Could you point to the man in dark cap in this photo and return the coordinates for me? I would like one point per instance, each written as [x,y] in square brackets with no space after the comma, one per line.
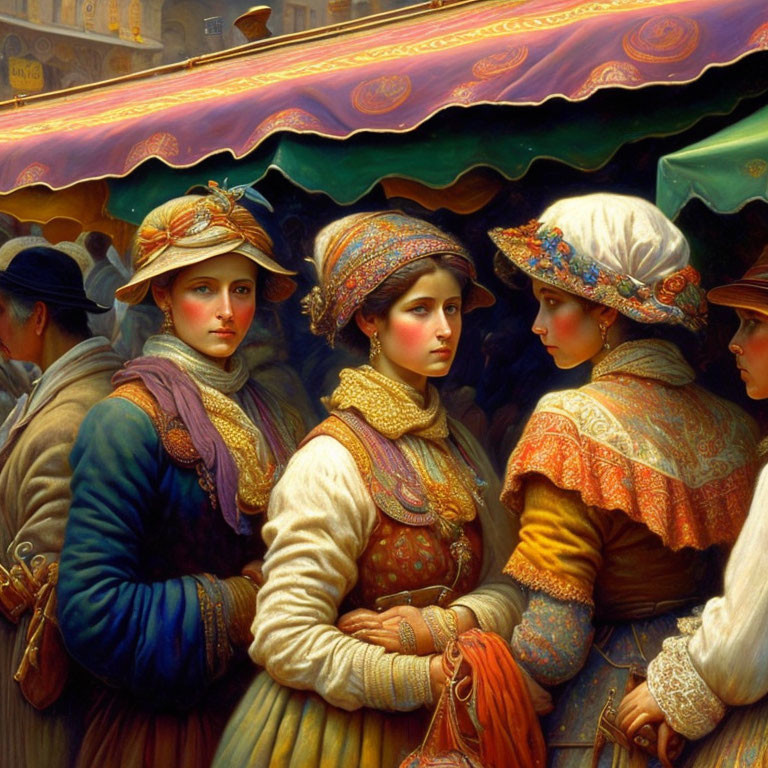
[43,320]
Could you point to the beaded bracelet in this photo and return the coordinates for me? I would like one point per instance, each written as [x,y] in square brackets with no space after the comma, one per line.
[442,625]
[407,637]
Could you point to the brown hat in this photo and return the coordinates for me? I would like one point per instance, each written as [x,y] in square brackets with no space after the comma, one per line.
[750,292]
[190,229]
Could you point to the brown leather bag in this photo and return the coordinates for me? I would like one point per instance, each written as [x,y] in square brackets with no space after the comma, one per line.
[44,667]
[17,591]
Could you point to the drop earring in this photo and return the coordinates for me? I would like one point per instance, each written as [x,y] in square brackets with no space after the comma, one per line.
[167,326]
[604,336]
[375,349]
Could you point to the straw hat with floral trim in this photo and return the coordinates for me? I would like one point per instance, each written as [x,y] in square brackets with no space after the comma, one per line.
[193,228]
[617,250]
[749,292]
[357,253]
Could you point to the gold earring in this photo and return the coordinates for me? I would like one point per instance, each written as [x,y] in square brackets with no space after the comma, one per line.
[375,349]
[604,335]
[167,326]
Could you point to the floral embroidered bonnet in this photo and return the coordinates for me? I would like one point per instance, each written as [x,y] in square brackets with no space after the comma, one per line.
[612,249]
[357,253]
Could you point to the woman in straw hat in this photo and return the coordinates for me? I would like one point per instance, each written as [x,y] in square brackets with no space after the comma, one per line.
[170,477]
[625,484]
[387,515]
[721,660]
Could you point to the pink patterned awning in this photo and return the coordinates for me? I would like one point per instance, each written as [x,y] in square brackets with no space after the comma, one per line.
[389,74]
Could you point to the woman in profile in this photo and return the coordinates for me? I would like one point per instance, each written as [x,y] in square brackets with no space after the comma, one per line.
[171,475]
[388,515]
[711,683]
[625,485]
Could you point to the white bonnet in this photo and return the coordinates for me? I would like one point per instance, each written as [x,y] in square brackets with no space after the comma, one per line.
[624,233]
[616,250]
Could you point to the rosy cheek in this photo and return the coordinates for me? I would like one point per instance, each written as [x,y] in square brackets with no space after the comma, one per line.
[567,321]
[243,313]
[409,335]
[757,346]
[193,310]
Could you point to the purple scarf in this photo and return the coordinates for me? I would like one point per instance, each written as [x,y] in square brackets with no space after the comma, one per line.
[178,396]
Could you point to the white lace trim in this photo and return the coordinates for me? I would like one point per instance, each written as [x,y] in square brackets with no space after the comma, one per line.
[688,703]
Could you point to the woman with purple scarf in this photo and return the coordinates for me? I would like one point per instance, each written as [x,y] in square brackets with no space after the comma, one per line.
[171,473]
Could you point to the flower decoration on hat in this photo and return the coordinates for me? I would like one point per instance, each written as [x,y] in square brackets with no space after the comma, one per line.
[543,253]
[195,227]
[209,220]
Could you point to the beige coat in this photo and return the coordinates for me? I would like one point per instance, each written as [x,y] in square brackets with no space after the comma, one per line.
[34,503]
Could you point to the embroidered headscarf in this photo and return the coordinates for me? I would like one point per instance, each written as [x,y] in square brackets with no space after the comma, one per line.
[357,253]
[616,250]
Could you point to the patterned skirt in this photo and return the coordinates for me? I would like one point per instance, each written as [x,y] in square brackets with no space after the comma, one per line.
[279,727]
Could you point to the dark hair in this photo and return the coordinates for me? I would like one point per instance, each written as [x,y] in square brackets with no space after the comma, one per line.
[71,321]
[379,301]
[164,280]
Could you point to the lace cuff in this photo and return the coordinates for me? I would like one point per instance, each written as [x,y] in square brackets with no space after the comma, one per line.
[688,703]
[689,625]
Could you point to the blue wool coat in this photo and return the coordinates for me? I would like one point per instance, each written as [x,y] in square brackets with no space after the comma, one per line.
[142,535]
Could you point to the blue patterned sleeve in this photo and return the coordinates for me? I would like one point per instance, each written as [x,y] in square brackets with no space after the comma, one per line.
[553,639]
[148,637]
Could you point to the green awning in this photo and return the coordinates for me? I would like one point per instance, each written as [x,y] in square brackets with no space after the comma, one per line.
[508,139]
[726,170]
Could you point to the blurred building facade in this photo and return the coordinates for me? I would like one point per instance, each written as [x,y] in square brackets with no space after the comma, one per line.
[48,45]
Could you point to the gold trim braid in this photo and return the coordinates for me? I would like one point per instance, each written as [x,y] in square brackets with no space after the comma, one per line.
[174,436]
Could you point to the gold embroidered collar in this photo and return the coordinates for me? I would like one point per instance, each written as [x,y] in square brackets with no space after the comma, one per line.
[649,359]
[390,407]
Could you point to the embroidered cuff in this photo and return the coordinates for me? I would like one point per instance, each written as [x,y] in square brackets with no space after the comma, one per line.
[522,570]
[689,625]
[396,682]
[240,609]
[215,606]
[688,703]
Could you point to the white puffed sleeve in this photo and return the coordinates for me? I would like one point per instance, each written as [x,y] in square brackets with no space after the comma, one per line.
[729,650]
[725,661]
[319,521]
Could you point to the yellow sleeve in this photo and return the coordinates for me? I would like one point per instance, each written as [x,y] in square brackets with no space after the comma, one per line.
[561,542]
